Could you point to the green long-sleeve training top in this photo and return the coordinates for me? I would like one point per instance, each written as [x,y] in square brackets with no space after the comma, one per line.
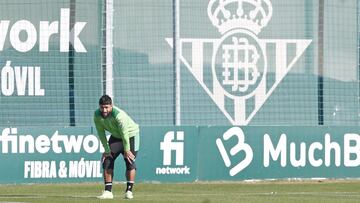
[119,124]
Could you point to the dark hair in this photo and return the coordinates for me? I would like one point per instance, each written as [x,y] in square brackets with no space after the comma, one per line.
[105,100]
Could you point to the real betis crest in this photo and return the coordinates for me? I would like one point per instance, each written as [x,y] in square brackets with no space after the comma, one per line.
[239,58]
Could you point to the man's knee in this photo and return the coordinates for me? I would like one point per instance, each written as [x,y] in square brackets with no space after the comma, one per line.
[130,166]
[108,163]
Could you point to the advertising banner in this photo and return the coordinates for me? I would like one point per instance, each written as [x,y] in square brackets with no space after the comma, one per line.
[49,155]
[168,154]
[184,154]
[234,153]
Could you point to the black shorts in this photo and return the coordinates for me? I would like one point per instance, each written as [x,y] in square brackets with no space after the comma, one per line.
[117,148]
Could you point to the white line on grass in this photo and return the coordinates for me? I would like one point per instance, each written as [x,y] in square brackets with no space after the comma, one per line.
[332,194]
[13,202]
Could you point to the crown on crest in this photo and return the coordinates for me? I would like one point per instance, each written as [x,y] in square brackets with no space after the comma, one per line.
[252,15]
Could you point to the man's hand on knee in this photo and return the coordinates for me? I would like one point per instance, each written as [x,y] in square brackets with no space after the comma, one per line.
[129,156]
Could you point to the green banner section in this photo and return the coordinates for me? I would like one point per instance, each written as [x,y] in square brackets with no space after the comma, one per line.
[184,154]
[30,155]
[278,152]
[168,154]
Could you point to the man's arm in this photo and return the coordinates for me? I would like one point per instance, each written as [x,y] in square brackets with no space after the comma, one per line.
[101,133]
[126,142]
[126,124]
[125,132]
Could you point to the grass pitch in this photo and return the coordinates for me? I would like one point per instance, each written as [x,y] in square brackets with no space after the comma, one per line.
[204,192]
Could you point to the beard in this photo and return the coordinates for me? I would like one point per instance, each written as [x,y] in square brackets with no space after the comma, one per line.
[104,115]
